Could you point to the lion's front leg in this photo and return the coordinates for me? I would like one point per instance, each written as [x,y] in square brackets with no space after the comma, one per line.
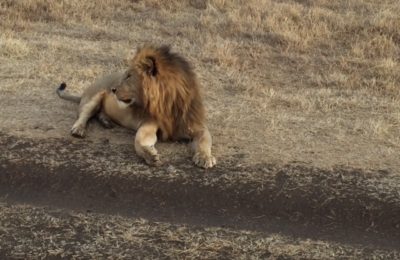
[201,145]
[146,138]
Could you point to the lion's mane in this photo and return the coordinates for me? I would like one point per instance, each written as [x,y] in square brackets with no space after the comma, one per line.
[170,91]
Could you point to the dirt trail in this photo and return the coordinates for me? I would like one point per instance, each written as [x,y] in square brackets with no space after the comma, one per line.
[346,206]
[44,232]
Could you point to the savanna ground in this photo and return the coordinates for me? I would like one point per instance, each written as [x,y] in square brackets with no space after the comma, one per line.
[303,102]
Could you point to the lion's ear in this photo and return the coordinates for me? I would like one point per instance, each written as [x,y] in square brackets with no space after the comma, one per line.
[149,66]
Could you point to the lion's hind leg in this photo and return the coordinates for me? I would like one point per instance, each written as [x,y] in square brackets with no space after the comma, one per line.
[146,138]
[201,145]
[87,109]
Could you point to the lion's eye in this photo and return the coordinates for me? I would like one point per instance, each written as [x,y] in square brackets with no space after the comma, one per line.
[128,76]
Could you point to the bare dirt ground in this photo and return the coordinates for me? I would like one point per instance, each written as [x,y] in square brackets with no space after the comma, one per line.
[303,103]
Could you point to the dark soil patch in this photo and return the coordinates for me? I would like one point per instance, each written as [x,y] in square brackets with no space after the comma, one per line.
[347,205]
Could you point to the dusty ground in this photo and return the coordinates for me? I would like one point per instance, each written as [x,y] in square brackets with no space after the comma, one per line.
[90,235]
[230,212]
[304,107]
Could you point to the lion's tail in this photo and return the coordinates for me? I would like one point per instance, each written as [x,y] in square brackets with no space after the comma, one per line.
[61,93]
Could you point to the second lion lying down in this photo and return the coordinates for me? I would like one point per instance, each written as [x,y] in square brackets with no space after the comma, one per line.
[159,92]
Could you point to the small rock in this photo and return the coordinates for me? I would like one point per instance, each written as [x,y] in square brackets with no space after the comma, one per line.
[171,169]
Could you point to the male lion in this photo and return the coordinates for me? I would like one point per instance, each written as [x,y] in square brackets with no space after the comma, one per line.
[159,92]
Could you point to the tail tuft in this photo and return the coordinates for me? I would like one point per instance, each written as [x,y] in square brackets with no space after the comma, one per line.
[62,86]
[61,93]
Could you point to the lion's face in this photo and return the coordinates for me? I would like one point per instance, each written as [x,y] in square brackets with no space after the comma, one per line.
[127,91]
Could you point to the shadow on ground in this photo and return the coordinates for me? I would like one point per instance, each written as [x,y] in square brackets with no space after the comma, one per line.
[344,205]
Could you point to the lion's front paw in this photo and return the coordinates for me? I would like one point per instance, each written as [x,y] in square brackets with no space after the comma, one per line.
[151,156]
[78,131]
[204,161]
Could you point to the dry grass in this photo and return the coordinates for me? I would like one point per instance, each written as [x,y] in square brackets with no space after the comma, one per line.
[288,80]
[30,233]
[310,81]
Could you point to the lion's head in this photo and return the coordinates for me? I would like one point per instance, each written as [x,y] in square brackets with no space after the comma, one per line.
[165,85]
[128,91]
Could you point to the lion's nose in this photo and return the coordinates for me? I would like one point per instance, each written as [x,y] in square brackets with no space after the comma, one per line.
[113,90]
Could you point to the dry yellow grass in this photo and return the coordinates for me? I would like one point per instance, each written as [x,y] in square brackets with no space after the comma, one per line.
[289,80]
[99,236]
